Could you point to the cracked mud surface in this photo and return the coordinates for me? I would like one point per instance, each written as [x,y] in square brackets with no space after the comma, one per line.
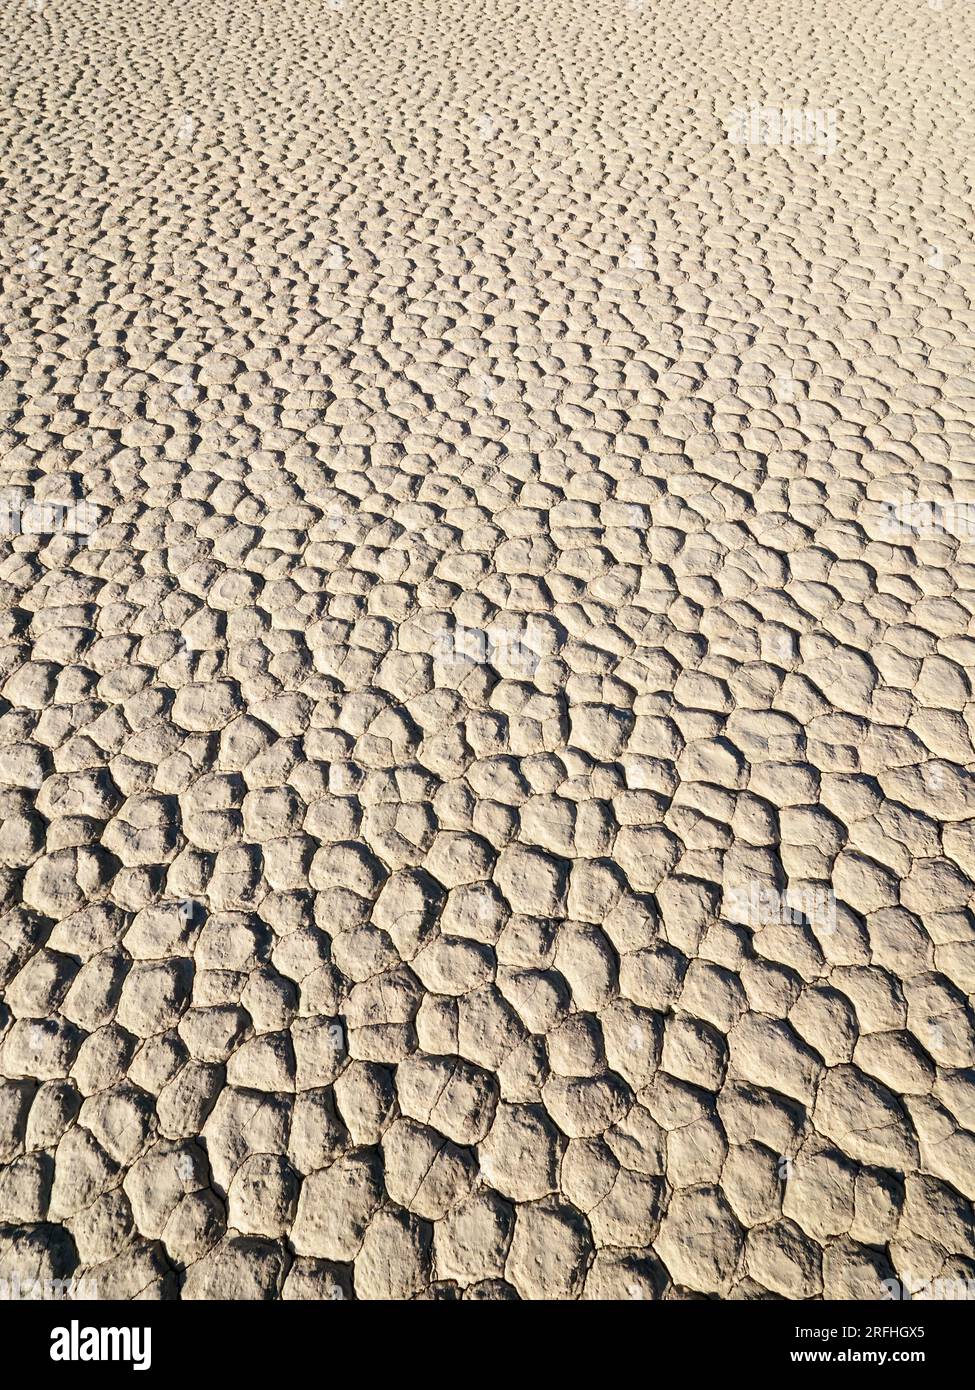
[489,812]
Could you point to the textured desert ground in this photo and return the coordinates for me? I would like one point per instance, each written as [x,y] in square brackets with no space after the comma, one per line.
[487,587]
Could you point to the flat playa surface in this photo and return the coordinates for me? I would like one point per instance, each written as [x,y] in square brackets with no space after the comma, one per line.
[486,784]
